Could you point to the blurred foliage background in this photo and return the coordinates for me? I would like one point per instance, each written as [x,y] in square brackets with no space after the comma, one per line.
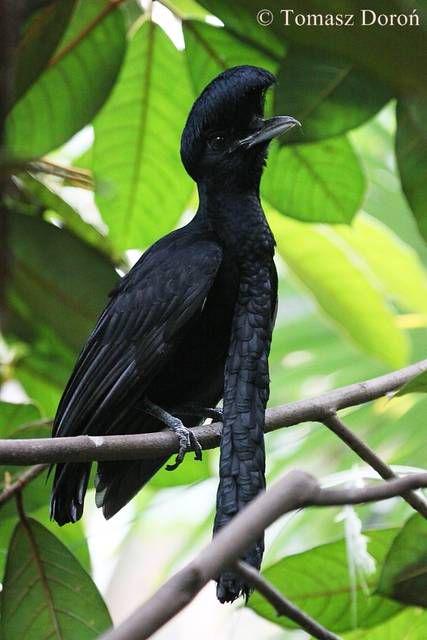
[102,91]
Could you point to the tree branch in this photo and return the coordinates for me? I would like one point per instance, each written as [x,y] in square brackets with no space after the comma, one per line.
[295,490]
[76,177]
[21,482]
[281,604]
[156,445]
[370,457]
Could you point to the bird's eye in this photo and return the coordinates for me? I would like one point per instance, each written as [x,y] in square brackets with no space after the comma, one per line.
[216,142]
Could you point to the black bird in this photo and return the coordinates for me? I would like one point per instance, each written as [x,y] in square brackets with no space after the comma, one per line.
[190,324]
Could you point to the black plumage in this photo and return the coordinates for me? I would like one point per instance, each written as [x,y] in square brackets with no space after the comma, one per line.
[191,323]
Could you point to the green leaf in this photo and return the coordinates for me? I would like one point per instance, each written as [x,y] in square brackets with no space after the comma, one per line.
[57,280]
[406,445]
[396,55]
[41,35]
[406,282]
[411,152]
[318,182]
[49,200]
[72,537]
[13,415]
[37,491]
[58,104]
[343,288]
[411,624]
[240,23]
[46,590]
[186,9]
[384,198]
[326,93]
[210,50]
[46,362]
[142,188]
[416,385]
[404,574]
[318,582]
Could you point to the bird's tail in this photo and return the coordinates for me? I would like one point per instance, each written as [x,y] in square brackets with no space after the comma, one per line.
[116,484]
[246,390]
[68,491]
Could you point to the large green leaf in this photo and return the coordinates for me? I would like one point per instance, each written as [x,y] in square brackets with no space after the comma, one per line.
[396,54]
[326,93]
[59,285]
[341,285]
[246,29]
[406,281]
[57,280]
[317,182]
[74,537]
[13,415]
[45,364]
[186,9]
[411,624]
[44,197]
[384,198]
[318,582]
[37,491]
[411,151]
[60,102]
[142,188]
[404,574]
[39,40]
[210,50]
[407,444]
[416,385]
[46,593]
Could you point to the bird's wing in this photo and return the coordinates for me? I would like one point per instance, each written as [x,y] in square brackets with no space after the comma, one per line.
[136,333]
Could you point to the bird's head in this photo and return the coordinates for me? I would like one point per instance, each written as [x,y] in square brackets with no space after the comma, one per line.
[226,137]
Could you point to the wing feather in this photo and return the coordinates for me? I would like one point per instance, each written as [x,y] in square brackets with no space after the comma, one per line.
[136,333]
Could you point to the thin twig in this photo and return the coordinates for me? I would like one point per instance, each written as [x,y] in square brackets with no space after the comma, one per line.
[164,443]
[333,423]
[77,177]
[294,491]
[281,604]
[21,482]
[373,493]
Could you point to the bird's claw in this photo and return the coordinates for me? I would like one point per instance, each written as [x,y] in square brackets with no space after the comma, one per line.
[216,414]
[187,441]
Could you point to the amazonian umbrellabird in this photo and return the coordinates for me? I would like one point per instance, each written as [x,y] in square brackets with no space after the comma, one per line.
[190,323]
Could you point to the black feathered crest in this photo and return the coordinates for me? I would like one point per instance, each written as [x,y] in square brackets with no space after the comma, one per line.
[229,101]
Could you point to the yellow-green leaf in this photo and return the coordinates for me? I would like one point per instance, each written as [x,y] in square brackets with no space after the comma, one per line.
[394,263]
[142,188]
[342,286]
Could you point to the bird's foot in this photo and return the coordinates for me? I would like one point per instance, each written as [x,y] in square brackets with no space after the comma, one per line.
[187,439]
[216,414]
[187,442]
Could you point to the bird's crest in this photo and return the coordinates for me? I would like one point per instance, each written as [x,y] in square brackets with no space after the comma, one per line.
[230,100]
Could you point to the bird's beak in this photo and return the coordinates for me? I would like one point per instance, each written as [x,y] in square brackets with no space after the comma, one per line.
[271,128]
